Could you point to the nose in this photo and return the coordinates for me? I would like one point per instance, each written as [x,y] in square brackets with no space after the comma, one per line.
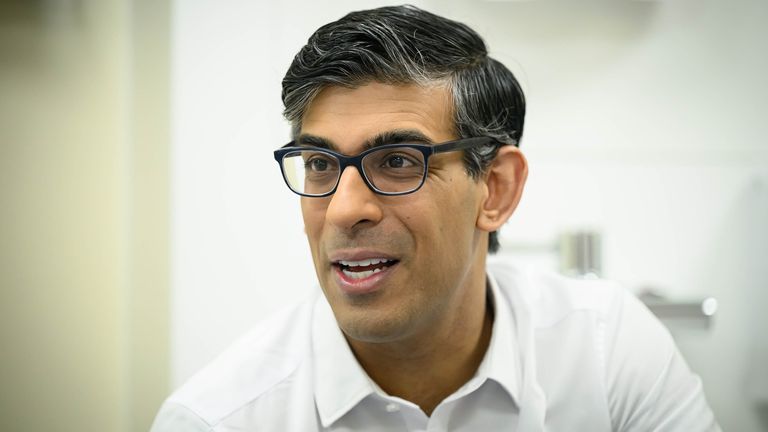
[353,204]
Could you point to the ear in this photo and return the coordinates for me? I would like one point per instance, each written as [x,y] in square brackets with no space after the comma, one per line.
[504,181]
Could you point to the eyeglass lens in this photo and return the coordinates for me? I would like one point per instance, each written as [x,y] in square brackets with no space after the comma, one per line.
[391,169]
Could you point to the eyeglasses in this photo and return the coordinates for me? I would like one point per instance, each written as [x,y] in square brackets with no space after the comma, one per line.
[392,169]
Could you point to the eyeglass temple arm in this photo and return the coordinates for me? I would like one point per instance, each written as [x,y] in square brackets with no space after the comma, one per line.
[465,144]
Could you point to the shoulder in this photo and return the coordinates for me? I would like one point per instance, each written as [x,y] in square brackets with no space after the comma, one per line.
[550,298]
[265,359]
[620,356]
[602,309]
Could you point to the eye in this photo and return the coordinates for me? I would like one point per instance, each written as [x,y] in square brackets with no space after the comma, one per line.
[317,164]
[397,161]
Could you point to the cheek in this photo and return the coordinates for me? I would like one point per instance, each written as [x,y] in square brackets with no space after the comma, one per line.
[438,224]
[455,214]
[313,214]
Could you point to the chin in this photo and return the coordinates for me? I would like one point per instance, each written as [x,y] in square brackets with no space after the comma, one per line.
[364,327]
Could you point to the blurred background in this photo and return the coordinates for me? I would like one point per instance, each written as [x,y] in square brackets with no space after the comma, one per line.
[145,224]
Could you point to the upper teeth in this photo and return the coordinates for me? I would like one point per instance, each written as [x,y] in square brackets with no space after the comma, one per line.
[362,263]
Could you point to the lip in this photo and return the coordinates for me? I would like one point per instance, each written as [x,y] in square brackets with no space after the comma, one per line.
[358,255]
[368,285]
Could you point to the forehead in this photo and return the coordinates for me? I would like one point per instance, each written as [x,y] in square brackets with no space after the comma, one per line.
[348,117]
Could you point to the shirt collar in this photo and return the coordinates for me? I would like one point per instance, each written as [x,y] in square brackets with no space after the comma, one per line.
[502,361]
[340,382]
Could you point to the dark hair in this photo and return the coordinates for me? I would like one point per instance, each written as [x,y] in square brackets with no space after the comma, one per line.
[404,45]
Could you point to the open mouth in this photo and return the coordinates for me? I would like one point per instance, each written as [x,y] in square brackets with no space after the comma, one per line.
[364,268]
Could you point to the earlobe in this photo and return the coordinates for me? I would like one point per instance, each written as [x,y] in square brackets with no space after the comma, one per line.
[504,180]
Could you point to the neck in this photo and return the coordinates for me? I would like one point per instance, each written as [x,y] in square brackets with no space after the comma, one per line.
[426,368]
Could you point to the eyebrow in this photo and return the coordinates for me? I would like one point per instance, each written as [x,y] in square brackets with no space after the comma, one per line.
[397,136]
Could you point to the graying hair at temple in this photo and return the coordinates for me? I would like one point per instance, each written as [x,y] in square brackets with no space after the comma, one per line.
[407,45]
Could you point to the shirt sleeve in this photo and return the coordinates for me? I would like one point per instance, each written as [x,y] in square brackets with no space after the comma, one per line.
[174,417]
[650,387]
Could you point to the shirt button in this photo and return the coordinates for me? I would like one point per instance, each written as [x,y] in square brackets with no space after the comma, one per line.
[392,407]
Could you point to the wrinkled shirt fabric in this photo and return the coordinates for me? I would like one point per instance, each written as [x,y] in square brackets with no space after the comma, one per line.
[564,355]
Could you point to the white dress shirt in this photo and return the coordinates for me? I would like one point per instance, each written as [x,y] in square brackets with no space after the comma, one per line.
[565,355]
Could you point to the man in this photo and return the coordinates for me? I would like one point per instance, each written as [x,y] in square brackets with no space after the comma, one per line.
[406,158]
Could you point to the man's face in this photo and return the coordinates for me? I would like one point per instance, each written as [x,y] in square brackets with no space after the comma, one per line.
[427,241]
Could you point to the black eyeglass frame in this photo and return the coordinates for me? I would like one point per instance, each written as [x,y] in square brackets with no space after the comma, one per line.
[357,160]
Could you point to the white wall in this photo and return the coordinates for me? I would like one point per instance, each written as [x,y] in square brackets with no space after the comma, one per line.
[83,214]
[645,122]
